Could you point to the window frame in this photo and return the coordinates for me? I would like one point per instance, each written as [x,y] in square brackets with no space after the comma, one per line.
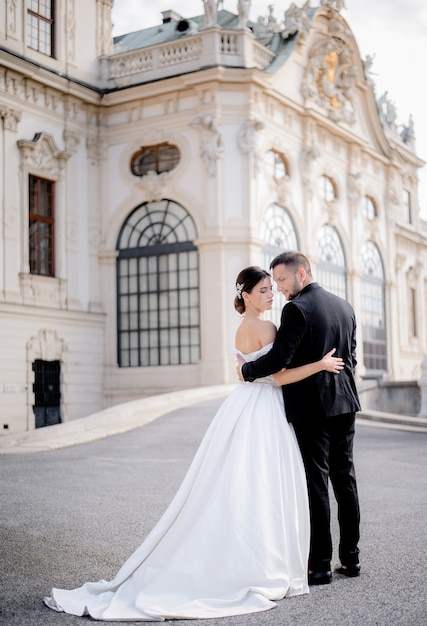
[37,17]
[327,188]
[37,217]
[156,150]
[158,287]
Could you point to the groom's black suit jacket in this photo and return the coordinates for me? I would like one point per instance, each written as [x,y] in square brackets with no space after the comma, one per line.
[312,324]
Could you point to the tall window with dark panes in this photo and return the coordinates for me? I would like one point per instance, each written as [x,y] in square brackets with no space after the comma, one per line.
[41,226]
[40,26]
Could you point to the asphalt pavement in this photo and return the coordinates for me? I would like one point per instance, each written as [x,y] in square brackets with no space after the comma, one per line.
[76,512]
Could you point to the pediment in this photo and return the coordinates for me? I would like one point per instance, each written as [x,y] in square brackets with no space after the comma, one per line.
[325,74]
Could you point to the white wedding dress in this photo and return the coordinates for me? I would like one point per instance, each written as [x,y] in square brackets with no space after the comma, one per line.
[235,537]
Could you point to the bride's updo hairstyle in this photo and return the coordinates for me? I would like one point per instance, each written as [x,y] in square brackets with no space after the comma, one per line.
[246,281]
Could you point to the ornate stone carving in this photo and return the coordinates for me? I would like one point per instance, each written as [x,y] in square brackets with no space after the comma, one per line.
[11,16]
[42,154]
[353,187]
[43,290]
[329,79]
[387,110]
[296,21]
[153,186]
[71,141]
[46,345]
[105,43]
[11,117]
[211,8]
[212,146]
[333,4]
[247,140]
[309,154]
[407,133]
[243,8]
[96,148]
[283,190]
[70,29]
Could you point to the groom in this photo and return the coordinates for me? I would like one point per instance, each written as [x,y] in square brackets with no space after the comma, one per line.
[321,408]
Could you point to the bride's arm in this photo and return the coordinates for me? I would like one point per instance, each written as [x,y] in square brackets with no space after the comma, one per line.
[293,375]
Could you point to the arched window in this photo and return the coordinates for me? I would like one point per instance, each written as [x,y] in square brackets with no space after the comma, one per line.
[163,157]
[278,232]
[276,164]
[158,287]
[369,208]
[326,188]
[331,268]
[373,310]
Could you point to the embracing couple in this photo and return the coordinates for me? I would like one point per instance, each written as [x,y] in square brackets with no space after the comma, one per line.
[321,408]
[243,531]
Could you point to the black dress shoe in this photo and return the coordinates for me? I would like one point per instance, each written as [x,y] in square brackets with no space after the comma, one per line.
[319,578]
[349,570]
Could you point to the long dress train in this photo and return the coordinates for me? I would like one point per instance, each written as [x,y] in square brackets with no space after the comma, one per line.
[235,537]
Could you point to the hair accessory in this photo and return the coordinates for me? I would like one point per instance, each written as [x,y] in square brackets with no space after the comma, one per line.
[239,288]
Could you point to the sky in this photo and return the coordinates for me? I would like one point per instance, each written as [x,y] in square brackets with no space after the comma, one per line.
[393,31]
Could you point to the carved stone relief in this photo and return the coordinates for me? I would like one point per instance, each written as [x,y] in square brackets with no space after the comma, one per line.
[211,146]
[70,29]
[11,17]
[10,117]
[329,78]
[247,140]
[46,346]
[153,186]
[43,155]
[296,21]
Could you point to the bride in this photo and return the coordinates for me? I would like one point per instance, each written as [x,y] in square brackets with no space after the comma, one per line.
[235,537]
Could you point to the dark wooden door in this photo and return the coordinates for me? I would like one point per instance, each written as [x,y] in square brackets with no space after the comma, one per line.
[47,395]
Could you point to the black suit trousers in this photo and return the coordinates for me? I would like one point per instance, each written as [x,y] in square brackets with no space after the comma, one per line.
[327,449]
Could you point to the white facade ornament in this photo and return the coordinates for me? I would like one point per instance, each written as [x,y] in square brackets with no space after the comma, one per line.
[338,5]
[247,140]
[407,133]
[46,346]
[10,117]
[11,16]
[387,110]
[296,21]
[71,141]
[212,146]
[353,187]
[105,40]
[70,29]
[153,186]
[283,190]
[368,62]
[243,8]
[329,78]
[309,155]
[211,8]
[43,155]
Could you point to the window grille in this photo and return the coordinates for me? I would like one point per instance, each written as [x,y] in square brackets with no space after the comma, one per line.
[158,287]
[331,268]
[373,310]
[278,232]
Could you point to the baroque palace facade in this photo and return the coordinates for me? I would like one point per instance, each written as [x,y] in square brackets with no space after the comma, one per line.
[140,175]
